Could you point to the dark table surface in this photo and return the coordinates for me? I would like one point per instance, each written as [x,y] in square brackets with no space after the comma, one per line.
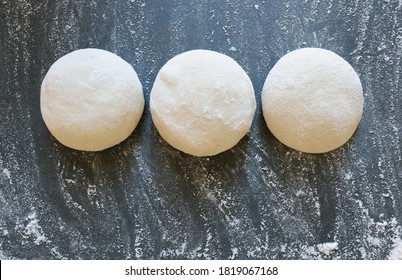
[143,199]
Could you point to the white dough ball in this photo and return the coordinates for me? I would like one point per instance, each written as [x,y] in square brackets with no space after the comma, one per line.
[91,99]
[202,102]
[312,100]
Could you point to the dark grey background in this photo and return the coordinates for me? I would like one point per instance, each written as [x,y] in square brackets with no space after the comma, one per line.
[143,199]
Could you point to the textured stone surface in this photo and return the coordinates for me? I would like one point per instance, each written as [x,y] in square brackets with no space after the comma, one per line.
[145,200]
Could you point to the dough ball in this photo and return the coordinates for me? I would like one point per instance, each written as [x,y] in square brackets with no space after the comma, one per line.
[312,100]
[91,99]
[202,102]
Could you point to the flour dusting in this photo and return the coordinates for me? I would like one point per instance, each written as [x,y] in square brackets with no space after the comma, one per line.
[145,200]
[32,230]
[327,248]
[396,252]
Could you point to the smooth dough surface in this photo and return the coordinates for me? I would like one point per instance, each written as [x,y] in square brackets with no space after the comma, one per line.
[91,99]
[202,102]
[312,100]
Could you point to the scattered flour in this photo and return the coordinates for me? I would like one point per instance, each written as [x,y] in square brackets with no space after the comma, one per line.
[235,253]
[33,229]
[214,193]
[93,196]
[396,253]
[3,256]
[327,248]
[7,173]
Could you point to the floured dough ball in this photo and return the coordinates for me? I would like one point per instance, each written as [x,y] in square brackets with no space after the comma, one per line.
[91,99]
[202,102]
[312,100]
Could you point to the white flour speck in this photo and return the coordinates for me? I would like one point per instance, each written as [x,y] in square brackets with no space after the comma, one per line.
[7,173]
[348,175]
[396,253]
[235,253]
[34,230]
[327,248]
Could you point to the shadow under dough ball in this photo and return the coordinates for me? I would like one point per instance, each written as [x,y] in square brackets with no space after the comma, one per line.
[312,100]
[202,102]
[91,99]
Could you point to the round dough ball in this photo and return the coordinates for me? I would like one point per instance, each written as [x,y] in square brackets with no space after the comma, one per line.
[202,102]
[312,100]
[91,99]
